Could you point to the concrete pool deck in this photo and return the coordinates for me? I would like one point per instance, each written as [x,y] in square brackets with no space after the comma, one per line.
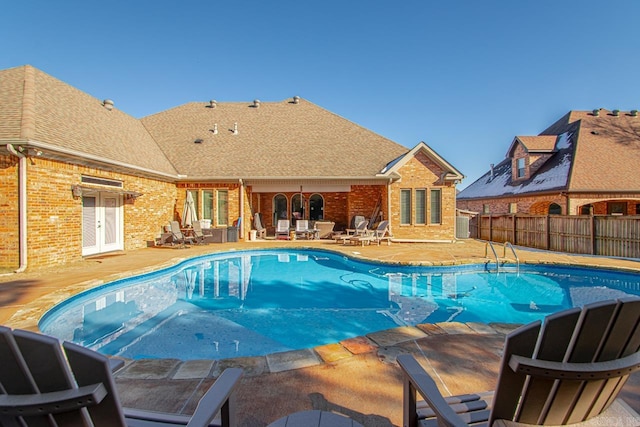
[356,377]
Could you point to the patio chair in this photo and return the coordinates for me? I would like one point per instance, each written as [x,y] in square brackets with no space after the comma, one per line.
[302,228]
[261,231]
[46,384]
[178,236]
[380,233]
[360,230]
[198,235]
[565,371]
[282,229]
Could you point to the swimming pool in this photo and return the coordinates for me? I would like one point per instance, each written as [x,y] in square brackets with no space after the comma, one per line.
[251,303]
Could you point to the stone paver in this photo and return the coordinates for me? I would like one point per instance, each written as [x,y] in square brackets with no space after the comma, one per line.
[396,335]
[149,369]
[288,360]
[359,345]
[193,369]
[455,328]
[332,352]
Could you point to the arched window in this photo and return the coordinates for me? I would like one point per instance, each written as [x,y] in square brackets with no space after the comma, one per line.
[297,208]
[279,207]
[555,209]
[586,209]
[316,207]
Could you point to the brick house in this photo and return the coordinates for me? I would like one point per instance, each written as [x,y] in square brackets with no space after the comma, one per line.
[80,177]
[585,163]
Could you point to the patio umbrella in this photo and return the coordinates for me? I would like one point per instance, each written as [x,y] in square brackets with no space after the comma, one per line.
[189,215]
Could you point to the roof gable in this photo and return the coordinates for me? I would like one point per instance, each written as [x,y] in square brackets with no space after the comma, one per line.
[450,173]
[534,144]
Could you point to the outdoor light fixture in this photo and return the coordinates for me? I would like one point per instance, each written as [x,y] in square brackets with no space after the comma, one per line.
[76,190]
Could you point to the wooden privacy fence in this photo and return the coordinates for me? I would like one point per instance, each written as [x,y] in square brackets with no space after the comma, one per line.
[605,235]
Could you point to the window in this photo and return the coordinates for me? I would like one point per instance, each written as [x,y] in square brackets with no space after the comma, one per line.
[223,212]
[316,207]
[207,204]
[555,209]
[436,207]
[421,206]
[297,208]
[279,208]
[405,207]
[520,166]
[586,210]
[616,208]
[637,208]
[513,207]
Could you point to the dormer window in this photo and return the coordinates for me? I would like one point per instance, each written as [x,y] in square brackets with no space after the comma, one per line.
[520,168]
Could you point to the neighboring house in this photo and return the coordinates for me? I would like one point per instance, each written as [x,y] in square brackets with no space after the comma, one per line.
[585,163]
[79,177]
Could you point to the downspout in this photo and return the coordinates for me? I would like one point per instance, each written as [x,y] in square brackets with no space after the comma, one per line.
[389,206]
[22,206]
[241,209]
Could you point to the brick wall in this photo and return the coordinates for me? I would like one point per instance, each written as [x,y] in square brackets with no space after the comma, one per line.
[422,173]
[54,221]
[9,244]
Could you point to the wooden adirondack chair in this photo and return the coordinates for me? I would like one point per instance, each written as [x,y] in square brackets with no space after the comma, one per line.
[42,385]
[568,370]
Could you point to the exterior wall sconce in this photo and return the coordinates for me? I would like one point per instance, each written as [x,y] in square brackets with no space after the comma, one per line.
[76,190]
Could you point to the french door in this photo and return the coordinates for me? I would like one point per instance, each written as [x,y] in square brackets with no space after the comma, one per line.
[101,223]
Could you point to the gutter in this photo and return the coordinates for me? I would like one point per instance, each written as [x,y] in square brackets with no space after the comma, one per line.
[22,206]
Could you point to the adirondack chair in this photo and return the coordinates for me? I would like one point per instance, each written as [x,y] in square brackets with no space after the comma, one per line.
[568,370]
[46,384]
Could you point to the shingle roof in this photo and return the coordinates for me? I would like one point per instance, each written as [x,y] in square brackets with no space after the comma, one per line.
[283,139]
[594,154]
[37,107]
[544,143]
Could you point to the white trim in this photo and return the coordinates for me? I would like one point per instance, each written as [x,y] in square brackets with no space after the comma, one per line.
[306,188]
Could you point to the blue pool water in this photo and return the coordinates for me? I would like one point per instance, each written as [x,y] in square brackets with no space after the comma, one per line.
[258,302]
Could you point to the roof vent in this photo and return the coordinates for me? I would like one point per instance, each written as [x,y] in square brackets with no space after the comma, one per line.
[256,103]
[213,103]
[634,113]
[108,104]
[492,172]
[198,141]
[596,112]
[296,99]
[215,129]
[616,113]
[235,128]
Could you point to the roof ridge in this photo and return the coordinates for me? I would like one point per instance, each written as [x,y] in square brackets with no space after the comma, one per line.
[28,119]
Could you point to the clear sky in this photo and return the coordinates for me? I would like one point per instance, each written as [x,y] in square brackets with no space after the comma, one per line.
[464,76]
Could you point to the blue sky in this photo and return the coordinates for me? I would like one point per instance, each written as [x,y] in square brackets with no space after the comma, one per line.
[463,76]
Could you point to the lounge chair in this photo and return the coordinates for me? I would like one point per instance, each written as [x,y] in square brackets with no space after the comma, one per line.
[198,235]
[565,371]
[178,237]
[42,381]
[324,228]
[261,231]
[302,228]
[380,233]
[282,229]
[360,230]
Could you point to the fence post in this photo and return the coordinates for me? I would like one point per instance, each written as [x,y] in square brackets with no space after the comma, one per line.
[513,229]
[593,234]
[548,233]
